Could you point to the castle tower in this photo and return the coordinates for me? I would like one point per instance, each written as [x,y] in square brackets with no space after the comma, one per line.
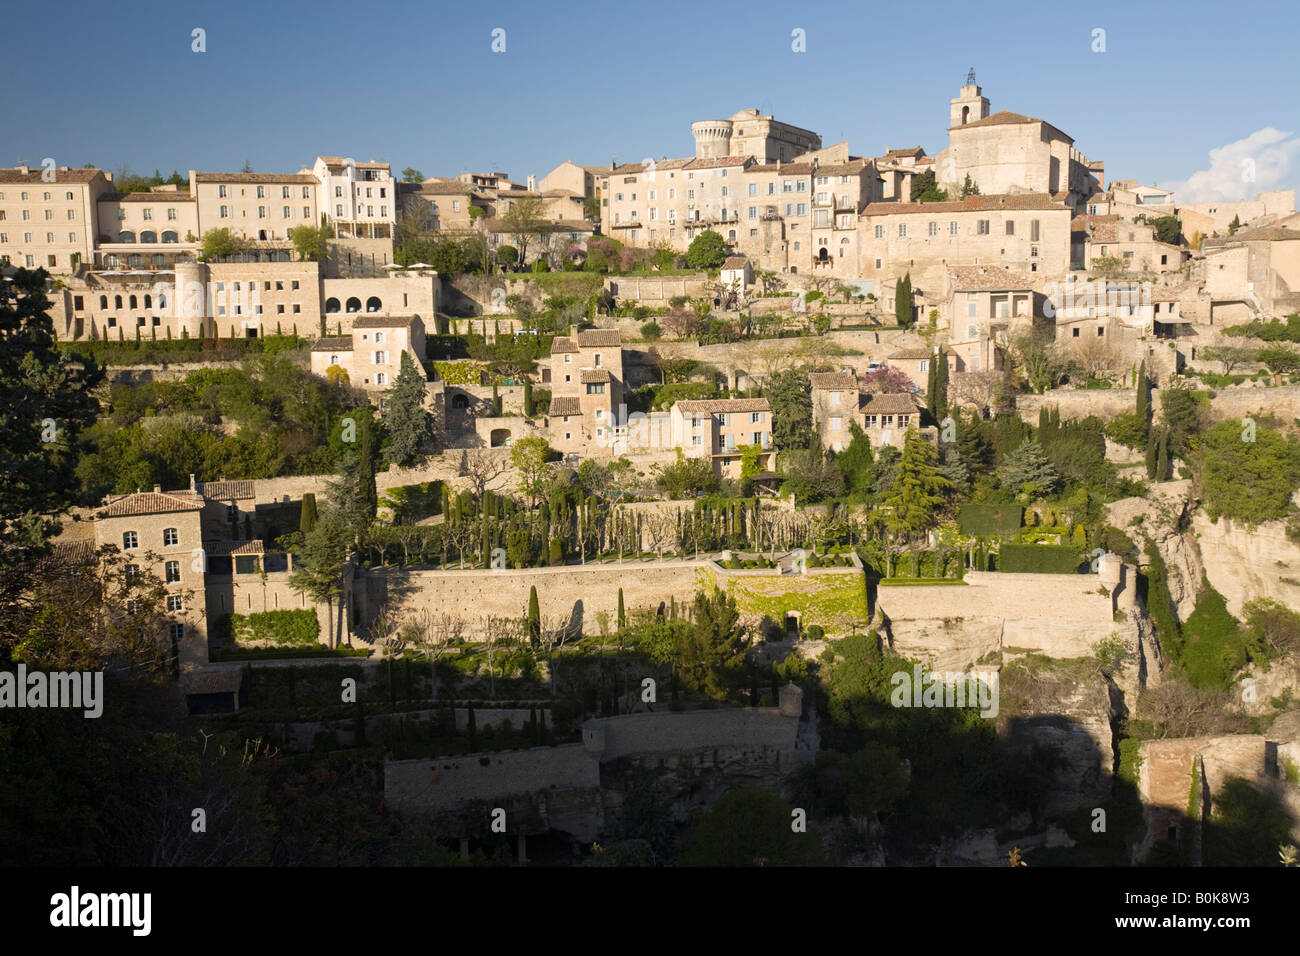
[969,105]
[712,139]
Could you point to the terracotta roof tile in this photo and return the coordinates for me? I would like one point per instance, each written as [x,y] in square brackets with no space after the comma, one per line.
[888,403]
[565,405]
[383,322]
[255,178]
[228,489]
[149,503]
[714,406]
[833,380]
[333,343]
[599,338]
[991,203]
[593,376]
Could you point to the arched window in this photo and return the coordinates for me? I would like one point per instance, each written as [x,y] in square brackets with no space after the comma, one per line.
[334,360]
[148,301]
[148,236]
[133,300]
[169,236]
[162,301]
[354,304]
[117,302]
[126,235]
[158,259]
[731,235]
[137,262]
[331,305]
[373,304]
[103,302]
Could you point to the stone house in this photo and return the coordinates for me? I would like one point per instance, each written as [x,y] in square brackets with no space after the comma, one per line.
[717,428]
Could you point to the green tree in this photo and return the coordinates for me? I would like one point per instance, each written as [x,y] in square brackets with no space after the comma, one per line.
[410,425]
[857,465]
[925,189]
[622,615]
[789,394]
[1182,413]
[530,406]
[529,457]
[525,220]
[1144,395]
[412,175]
[318,566]
[1234,225]
[1027,471]
[685,477]
[591,209]
[220,244]
[708,250]
[1280,359]
[750,826]
[46,401]
[714,647]
[969,187]
[307,516]
[1247,481]
[1168,229]
[903,304]
[919,490]
[534,616]
[507,255]
[311,242]
[936,392]
[1041,360]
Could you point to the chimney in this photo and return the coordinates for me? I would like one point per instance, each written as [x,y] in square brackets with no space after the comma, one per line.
[573,332]
[157,489]
[532,183]
[192,487]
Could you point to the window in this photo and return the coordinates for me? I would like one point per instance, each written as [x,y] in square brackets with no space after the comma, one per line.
[1101,330]
[261,192]
[753,189]
[1033,230]
[172,571]
[934,229]
[130,541]
[1075,330]
[171,537]
[224,212]
[284,192]
[132,571]
[835,398]
[835,423]
[755,418]
[381,379]
[177,631]
[221,193]
[952,228]
[1011,227]
[381,358]
[983,229]
[261,212]
[880,232]
[175,603]
[902,230]
[924,365]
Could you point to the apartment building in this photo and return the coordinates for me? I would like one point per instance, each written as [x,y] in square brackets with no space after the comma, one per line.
[719,429]
[260,207]
[48,216]
[358,199]
[140,230]
[1027,233]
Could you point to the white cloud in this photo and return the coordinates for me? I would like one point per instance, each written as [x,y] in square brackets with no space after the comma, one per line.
[1243,169]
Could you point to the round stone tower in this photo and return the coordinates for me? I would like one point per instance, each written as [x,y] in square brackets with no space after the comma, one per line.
[190,306]
[712,139]
[791,700]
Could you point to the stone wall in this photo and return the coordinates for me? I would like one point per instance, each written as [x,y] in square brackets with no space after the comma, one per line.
[446,783]
[1228,403]
[761,730]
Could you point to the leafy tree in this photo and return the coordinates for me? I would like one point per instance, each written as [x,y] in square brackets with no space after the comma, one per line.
[311,242]
[903,304]
[591,209]
[685,477]
[789,394]
[1230,356]
[1040,359]
[529,458]
[507,255]
[1027,471]
[1247,481]
[1127,429]
[969,187]
[410,425]
[750,826]
[1280,359]
[1168,229]
[221,244]
[708,250]
[412,175]
[525,220]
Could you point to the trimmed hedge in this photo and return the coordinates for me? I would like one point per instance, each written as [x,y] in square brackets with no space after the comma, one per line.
[293,628]
[1039,559]
[987,519]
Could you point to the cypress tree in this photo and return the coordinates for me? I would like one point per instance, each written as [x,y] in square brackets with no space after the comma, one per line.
[368,490]
[534,616]
[1162,456]
[622,617]
[529,407]
[903,301]
[471,728]
[1151,456]
[307,520]
[1144,396]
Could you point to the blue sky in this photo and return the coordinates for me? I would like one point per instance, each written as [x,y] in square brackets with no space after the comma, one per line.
[417,84]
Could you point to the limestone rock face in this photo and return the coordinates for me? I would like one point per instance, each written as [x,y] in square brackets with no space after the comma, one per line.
[1247,563]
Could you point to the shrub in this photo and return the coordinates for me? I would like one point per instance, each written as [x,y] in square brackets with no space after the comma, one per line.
[652,331]
[294,628]
[990,519]
[1039,559]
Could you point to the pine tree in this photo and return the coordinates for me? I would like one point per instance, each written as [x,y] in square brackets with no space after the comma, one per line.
[410,426]
[1027,471]
[969,187]
[307,519]
[918,490]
